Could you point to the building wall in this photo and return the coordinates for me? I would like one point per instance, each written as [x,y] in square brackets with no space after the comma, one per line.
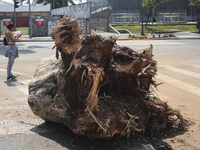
[24,13]
[128,5]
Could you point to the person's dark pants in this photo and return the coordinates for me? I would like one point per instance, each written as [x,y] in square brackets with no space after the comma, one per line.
[10,64]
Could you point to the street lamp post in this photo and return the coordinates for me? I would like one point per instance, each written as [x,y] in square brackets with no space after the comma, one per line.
[142,31]
[29,19]
[53,4]
[15,16]
[63,3]
[152,19]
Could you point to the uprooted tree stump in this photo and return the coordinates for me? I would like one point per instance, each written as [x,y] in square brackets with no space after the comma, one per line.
[97,88]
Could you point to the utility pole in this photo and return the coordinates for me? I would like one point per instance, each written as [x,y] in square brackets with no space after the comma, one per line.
[199,25]
[142,32]
[63,3]
[0,27]
[53,4]
[152,19]
[30,22]
[15,15]
[16,5]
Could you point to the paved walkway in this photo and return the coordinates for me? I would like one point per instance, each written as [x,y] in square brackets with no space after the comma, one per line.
[179,35]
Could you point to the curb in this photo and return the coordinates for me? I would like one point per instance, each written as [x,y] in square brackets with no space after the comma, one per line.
[122,39]
[33,40]
[179,38]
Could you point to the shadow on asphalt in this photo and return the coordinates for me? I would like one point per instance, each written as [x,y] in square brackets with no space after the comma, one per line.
[29,51]
[36,46]
[65,137]
[13,82]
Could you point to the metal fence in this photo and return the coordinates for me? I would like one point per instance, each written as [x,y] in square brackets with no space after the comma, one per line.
[20,22]
[100,9]
[99,15]
[125,16]
[79,11]
[2,27]
[172,16]
[99,24]
[45,30]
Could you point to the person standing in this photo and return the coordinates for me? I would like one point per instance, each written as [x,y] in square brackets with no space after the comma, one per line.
[12,50]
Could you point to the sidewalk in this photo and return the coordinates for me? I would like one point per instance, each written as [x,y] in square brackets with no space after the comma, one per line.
[25,38]
[179,36]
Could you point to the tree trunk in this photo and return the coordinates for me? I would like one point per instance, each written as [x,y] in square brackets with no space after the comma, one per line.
[149,16]
[199,26]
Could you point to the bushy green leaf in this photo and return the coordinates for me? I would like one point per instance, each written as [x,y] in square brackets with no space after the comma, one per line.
[195,3]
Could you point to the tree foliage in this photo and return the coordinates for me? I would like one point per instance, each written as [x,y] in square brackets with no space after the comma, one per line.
[150,4]
[195,3]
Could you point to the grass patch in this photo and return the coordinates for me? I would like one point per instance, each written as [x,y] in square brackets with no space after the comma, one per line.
[23,29]
[157,28]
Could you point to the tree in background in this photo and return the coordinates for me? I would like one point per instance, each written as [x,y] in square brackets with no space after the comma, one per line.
[196,3]
[150,4]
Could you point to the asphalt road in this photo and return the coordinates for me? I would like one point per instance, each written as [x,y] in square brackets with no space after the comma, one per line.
[178,67]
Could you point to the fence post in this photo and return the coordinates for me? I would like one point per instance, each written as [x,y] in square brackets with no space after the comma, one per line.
[199,26]
[0,26]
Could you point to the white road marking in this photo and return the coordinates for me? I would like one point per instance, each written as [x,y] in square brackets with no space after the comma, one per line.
[196,66]
[24,82]
[182,71]
[22,86]
[185,86]
[148,147]
[25,127]
[23,90]
[15,72]
[163,97]
[154,42]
